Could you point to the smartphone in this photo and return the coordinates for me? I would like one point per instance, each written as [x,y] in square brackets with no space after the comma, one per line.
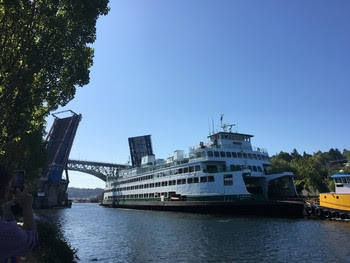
[18,180]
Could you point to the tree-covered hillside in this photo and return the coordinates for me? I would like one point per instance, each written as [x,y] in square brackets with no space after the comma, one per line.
[312,171]
[83,193]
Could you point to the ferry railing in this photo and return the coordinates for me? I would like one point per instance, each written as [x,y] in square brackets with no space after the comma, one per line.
[259,149]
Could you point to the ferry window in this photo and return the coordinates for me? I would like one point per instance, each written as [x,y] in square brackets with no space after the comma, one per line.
[140,195]
[222,154]
[228,179]
[250,156]
[216,154]
[255,169]
[185,170]
[151,185]
[180,171]
[183,181]
[245,156]
[165,183]
[195,180]
[223,168]
[259,169]
[189,180]
[197,168]
[210,154]
[234,155]
[254,156]
[204,179]
[259,157]
[211,179]
[249,167]
[191,169]
[172,182]
[228,154]
[238,168]
[179,181]
[239,155]
[212,168]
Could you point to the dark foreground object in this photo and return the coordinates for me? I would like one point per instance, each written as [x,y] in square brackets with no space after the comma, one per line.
[270,208]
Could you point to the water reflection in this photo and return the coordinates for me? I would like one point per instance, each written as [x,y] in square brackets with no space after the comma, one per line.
[120,235]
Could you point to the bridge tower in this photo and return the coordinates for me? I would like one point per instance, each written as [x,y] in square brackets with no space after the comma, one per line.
[52,186]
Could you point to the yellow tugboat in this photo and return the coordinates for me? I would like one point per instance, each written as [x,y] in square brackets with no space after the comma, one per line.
[333,205]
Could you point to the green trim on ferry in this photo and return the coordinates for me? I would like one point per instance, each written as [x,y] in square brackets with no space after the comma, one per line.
[206,198]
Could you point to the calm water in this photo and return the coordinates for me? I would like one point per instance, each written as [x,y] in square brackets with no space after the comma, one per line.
[120,235]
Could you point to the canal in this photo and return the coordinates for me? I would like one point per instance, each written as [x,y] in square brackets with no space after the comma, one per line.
[120,235]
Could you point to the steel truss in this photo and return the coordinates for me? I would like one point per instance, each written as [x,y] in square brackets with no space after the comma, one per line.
[98,169]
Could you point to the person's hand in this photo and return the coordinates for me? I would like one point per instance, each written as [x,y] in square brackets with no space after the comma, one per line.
[24,199]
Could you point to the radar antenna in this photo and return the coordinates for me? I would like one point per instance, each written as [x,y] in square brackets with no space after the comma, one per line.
[225,126]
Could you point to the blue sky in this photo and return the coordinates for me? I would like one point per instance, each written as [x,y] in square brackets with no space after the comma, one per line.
[278,69]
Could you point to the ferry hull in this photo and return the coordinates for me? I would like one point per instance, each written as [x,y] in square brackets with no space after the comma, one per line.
[267,208]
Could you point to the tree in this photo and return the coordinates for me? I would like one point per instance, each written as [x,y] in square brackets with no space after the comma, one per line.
[335,154]
[44,55]
[284,156]
[346,154]
[295,155]
[310,171]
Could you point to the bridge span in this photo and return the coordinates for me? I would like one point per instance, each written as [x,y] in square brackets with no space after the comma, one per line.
[98,169]
[52,187]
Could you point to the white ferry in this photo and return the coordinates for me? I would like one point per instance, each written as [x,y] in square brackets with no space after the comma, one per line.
[225,175]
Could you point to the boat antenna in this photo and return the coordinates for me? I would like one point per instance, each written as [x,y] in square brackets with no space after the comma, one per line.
[212,120]
[209,125]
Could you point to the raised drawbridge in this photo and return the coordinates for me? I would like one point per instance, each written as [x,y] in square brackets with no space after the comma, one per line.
[53,184]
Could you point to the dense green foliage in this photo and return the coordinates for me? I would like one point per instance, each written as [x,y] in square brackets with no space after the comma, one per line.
[312,172]
[44,55]
[52,246]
